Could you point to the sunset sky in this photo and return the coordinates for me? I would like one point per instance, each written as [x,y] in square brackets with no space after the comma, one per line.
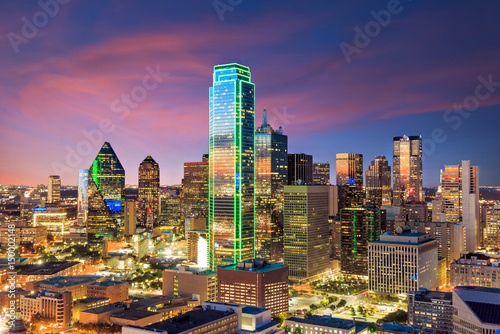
[66,77]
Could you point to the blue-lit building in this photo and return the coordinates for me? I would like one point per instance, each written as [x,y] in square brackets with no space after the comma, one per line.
[83,195]
[106,185]
[231,165]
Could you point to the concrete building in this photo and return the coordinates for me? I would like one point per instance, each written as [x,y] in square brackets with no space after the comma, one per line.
[476,310]
[325,324]
[255,283]
[54,219]
[197,252]
[321,173]
[54,189]
[116,291]
[416,211]
[389,328]
[407,169]
[430,311]
[7,296]
[76,285]
[200,284]
[476,269]
[378,183]
[31,273]
[492,228]
[399,263]
[49,305]
[306,230]
[130,218]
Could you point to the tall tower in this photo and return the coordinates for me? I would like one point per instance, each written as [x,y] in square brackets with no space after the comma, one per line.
[321,173]
[407,169]
[271,174]
[106,185]
[83,195]
[378,183]
[350,177]
[300,169]
[194,194]
[54,189]
[149,194]
[460,199]
[231,166]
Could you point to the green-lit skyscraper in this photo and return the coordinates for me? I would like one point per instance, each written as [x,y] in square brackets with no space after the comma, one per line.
[106,184]
[231,166]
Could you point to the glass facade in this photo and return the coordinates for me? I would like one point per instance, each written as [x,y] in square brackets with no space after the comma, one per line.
[54,189]
[350,177]
[106,184]
[149,194]
[83,195]
[300,169]
[194,195]
[378,183]
[407,169]
[271,166]
[231,165]
[321,173]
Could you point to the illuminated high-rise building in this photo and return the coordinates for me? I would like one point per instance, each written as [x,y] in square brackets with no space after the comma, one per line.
[149,194]
[407,169]
[83,195]
[271,164]
[194,194]
[54,189]
[300,169]
[460,199]
[492,229]
[231,166]
[359,226]
[349,168]
[321,173]
[378,183]
[106,184]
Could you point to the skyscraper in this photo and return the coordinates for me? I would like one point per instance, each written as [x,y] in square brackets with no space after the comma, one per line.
[306,230]
[194,194]
[83,195]
[271,165]
[350,177]
[300,169]
[106,184]
[149,194]
[54,189]
[321,173]
[492,229]
[407,169]
[460,199]
[231,166]
[359,226]
[378,183]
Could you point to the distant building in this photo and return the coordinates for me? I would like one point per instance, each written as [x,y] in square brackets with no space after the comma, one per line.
[378,183]
[130,218]
[430,311]
[476,269]
[197,252]
[54,189]
[194,194]
[350,176]
[300,169]
[492,228]
[54,219]
[398,263]
[359,226]
[171,211]
[197,283]
[38,272]
[115,291]
[407,170]
[255,283]
[476,310]
[149,194]
[55,305]
[416,211]
[321,173]
[83,195]
[324,324]
[306,230]
[76,285]
[7,296]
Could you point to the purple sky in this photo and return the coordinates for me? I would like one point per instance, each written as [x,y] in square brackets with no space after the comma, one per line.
[69,76]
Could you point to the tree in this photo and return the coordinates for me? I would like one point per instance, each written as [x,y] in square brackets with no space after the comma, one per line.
[397,317]
[372,327]
[341,303]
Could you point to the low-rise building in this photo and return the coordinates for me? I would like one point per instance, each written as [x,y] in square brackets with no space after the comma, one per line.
[38,272]
[326,324]
[476,310]
[48,304]
[6,298]
[190,281]
[476,269]
[77,285]
[116,291]
[430,311]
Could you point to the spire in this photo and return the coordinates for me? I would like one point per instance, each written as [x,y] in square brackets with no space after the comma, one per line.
[264,117]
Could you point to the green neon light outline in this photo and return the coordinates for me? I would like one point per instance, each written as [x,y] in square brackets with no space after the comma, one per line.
[354,235]
[235,204]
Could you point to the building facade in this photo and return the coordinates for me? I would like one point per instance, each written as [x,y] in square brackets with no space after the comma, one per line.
[149,194]
[378,183]
[492,228]
[83,195]
[200,284]
[349,168]
[407,169]
[321,173]
[54,189]
[231,166]
[430,311]
[54,305]
[300,168]
[194,194]
[476,269]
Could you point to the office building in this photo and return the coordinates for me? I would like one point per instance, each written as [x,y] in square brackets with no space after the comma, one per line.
[416,211]
[460,196]
[231,166]
[54,219]
[197,249]
[378,183]
[106,186]
[350,178]
[149,194]
[476,269]
[11,299]
[255,283]
[54,189]
[492,228]
[306,230]
[83,195]
[407,170]
[325,324]
[171,211]
[194,194]
[76,285]
[321,173]
[388,328]
[54,305]
[438,214]
[359,226]
[115,291]
[271,174]
[476,310]
[430,311]
[300,169]
[130,218]
[198,283]
[37,272]
[398,263]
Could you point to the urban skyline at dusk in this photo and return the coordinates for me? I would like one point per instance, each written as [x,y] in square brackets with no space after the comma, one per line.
[61,82]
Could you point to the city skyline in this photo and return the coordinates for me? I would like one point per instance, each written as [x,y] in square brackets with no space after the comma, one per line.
[78,93]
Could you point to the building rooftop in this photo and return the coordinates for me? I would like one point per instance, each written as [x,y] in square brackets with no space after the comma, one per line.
[47,268]
[487,313]
[328,321]
[64,281]
[397,328]
[424,295]
[256,265]
[253,310]
[134,314]
[117,307]
[108,283]
[474,288]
